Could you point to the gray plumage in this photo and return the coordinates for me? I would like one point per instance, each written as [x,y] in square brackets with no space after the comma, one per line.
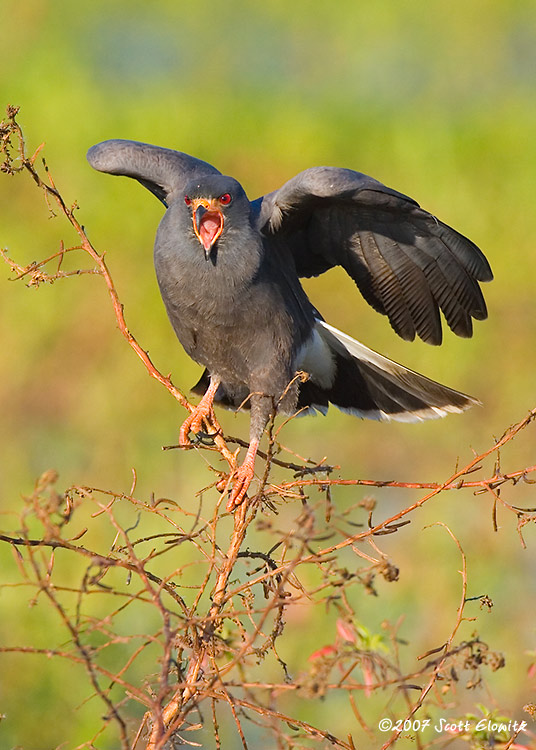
[228,271]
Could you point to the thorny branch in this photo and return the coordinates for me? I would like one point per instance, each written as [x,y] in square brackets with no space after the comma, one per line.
[222,606]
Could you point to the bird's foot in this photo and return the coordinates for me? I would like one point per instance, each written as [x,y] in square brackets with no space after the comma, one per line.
[194,423]
[242,477]
[202,412]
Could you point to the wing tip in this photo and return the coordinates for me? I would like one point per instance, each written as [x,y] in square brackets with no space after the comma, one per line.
[104,155]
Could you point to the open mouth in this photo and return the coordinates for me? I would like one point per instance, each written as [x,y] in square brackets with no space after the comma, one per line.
[208,225]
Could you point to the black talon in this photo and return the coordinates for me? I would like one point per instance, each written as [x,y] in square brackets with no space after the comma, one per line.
[204,438]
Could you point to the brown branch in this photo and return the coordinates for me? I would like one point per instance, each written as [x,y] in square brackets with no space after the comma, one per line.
[308,728]
[173,713]
[446,648]
[226,623]
[99,259]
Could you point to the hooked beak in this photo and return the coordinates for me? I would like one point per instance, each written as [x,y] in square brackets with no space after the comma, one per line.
[207,222]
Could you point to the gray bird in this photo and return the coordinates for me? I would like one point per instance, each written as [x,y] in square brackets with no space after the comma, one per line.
[228,271]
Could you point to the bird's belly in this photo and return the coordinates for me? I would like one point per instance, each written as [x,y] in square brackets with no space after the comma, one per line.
[247,335]
[238,354]
[250,351]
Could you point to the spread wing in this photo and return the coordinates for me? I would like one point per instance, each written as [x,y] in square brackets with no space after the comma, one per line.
[161,170]
[406,263]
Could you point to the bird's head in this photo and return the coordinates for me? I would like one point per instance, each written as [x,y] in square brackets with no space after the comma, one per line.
[212,202]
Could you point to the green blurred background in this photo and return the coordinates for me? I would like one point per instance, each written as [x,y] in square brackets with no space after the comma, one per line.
[437,100]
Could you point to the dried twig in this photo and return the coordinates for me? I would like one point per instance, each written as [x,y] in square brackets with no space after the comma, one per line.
[222,606]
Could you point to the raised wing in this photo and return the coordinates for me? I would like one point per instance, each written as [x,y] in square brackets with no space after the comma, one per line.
[161,170]
[406,263]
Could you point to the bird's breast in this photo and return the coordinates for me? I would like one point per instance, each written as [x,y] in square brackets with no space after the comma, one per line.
[240,316]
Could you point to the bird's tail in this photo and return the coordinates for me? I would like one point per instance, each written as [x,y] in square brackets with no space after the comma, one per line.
[360,381]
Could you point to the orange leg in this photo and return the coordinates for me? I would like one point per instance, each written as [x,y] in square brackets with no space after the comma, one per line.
[203,410]
[243,476]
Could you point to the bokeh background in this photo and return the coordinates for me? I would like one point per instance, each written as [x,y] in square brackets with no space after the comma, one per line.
[437,100]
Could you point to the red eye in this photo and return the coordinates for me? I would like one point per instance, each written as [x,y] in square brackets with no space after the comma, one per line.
[187,200]
[225,199]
